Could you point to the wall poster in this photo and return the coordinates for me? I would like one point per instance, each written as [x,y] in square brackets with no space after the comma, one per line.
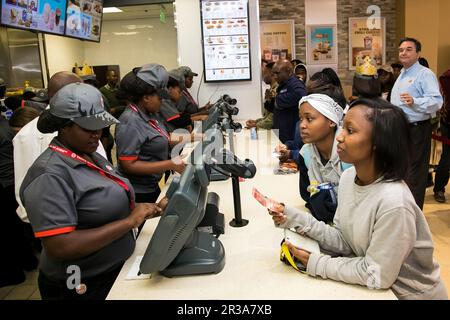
[277,40]
[321,44]
[367,39]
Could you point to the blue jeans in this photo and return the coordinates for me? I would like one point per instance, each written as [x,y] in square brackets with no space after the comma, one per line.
[443,169]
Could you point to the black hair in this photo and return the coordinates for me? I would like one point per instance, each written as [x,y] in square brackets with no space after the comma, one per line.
[424,62]
[332,75]
[132,88]
[28,95]
[416,42]
[326,76]
[295,62]
[172,83]
[396,65]
[270,65]
[48,123]
[327,83]
[332,91]
[366,86]
[390,137]
[22,116]
[13,103]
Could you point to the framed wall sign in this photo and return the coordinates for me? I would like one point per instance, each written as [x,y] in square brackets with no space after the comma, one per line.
[277,40]
[367,39]
[321,44]
[226,40]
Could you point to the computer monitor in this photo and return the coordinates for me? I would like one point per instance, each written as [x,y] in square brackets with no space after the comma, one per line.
[177,247]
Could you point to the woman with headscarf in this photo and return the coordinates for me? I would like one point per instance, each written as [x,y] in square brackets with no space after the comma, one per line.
[320,117]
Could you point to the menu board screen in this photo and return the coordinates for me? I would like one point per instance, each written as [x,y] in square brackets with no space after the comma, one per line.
[39,15]
[226,40]
[84,19]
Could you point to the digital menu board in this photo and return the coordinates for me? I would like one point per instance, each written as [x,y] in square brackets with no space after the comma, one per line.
[84,19]
[38,15]
[226,40]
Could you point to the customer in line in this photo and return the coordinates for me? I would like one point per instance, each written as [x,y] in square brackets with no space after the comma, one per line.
[289,92]
[266,122]
[381,238]
[87,217]
[320,120]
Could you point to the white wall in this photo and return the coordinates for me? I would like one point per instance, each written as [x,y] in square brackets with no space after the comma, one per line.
[62,53]
[321,12]
[247,93]
[132,43]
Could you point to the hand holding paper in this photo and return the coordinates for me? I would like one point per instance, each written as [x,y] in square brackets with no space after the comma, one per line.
[275,208]
[270,204]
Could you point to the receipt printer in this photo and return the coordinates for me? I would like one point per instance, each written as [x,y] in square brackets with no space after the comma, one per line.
[213,222]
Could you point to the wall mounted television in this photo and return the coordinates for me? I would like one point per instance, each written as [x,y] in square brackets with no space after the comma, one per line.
[48,16]
[84,19]
[226,40]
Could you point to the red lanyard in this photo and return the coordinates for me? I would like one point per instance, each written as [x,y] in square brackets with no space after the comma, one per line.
[188,95]
[92,166]
[153,124]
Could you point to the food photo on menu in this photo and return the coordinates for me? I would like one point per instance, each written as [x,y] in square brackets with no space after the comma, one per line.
[84,19]
[40,15]
[52,17]
[73,26]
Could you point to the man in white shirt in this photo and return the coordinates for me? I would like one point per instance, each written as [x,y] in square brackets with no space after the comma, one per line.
[29,142]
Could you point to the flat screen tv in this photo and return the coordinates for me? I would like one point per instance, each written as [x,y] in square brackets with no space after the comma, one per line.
[48,16]
[225,40]
[177,247]
[84,19]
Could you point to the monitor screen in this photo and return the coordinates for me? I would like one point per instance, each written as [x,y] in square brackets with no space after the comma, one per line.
[84,19]
[177,247]
[47,16]
[226,40]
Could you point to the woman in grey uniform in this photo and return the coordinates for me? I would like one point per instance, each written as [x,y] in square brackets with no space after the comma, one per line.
[143,141]
[80,207]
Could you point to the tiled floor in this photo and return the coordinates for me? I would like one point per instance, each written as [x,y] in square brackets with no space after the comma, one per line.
[437,215]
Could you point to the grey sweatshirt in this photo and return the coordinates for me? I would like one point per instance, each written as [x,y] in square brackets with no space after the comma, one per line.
[380,240]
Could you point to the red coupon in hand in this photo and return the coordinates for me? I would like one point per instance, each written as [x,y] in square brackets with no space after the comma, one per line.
[265,201]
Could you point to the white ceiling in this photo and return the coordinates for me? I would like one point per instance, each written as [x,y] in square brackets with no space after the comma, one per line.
[139,12]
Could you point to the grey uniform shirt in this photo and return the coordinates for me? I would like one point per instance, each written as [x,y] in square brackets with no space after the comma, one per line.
[187,103]
[170,112]
[137,139]
[380,240]
[62,194]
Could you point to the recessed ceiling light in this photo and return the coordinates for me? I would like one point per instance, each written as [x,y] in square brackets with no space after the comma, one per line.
[111,10]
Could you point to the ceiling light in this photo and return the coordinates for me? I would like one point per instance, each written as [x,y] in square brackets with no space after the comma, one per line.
[111,10]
